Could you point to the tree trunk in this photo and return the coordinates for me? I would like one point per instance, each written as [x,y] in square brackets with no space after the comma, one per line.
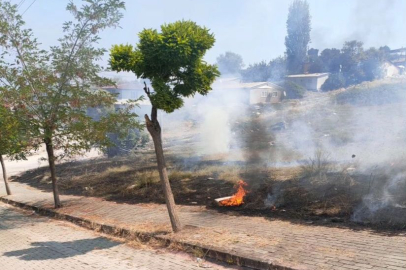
[3,166]
[51,161]
[155,130]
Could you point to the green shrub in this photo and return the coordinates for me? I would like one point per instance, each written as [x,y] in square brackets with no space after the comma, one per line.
[294,90]
[135,139]
[334,81]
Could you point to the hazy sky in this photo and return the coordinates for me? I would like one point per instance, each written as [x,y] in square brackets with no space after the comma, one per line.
[255,29]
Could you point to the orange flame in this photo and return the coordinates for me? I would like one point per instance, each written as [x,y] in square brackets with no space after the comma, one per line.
[238,197]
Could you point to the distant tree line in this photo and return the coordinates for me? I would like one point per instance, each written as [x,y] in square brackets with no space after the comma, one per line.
[274,70]
[349,66]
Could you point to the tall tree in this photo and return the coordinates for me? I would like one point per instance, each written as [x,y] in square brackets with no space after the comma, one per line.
[53,89]
[298,37]
[173,61]
[229,63]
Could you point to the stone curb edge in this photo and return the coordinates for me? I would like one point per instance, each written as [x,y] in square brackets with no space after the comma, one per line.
[213,253]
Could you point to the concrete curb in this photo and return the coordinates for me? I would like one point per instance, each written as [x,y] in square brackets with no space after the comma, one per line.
[210,252]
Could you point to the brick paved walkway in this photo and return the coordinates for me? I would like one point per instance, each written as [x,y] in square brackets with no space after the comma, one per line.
[281,242]
[31,242]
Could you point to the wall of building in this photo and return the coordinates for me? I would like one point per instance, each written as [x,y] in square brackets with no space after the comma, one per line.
[310,83]
[390,70]
[321,81]
[258,96]
[307,82]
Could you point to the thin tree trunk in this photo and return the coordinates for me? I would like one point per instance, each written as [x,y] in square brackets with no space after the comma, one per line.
[51,161]
[155,131]
[3,166]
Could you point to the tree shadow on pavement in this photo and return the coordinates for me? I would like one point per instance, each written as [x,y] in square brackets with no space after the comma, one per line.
[10,220]
[52,250]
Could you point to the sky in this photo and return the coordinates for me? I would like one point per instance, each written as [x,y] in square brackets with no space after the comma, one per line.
[255,29]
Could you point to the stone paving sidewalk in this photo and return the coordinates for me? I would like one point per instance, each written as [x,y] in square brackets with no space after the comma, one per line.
[280,243]
[33,242]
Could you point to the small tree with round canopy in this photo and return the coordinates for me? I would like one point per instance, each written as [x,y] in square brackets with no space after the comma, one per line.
[173,61]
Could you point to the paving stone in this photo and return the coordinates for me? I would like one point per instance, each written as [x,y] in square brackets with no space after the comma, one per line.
[310,246]
[38,243]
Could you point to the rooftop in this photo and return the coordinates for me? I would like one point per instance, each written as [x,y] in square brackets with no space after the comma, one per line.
[398,50]
[310,75]
[235,83]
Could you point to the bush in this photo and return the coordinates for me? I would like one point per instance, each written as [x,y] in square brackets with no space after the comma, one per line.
[135,139]
[294,90]
[334,81]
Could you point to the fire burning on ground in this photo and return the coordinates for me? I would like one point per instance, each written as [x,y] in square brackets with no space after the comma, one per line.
[237,199]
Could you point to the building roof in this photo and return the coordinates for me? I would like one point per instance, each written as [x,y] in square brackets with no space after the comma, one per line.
[253,84]
[399,60]
[310,75]
[220,84]
[235,83]
[398,50]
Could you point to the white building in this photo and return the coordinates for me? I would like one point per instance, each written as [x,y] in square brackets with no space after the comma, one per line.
[311,81]
[253,92]
[390,70]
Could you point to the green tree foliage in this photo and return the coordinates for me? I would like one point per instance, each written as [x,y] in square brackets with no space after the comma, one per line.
[257,72]
[229,63]
[124,145]
[53,89]
[372,65]
[172,60]
[294,91]
[359,65]
[14,134]
[14,137]
[315,63]
[352,54]
[334,81]
[331,59]
[275,70]
[298,37]
[352,65]
[278,68]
